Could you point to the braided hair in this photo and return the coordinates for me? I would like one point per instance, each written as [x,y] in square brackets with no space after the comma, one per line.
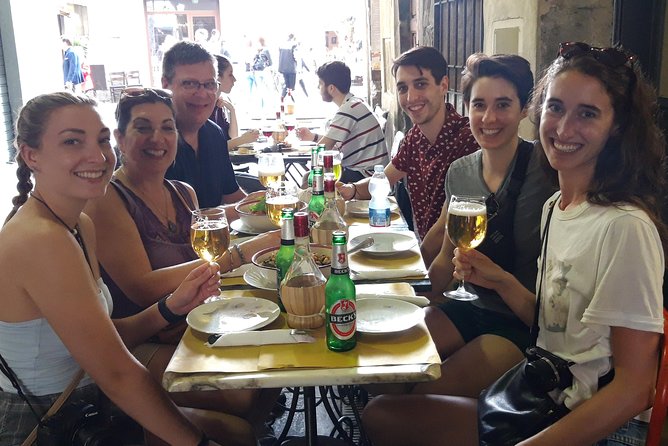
[30,125]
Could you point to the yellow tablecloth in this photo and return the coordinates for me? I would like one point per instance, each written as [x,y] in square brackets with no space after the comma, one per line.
[413,346]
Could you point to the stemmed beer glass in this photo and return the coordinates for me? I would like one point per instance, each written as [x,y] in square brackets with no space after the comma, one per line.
[466,226]
[279,195]
[270,168]
[209,233]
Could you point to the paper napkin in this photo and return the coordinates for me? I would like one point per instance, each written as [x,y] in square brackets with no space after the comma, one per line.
[420,301]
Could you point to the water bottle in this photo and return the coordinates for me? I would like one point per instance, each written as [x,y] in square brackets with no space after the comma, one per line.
[379,206]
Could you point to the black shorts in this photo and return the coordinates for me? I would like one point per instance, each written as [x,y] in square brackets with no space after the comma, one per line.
[472,321]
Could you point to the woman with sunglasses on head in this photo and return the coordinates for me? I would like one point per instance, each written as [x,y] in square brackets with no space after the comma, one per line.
[54,315]
[143,234]
[601,305]
[224,114]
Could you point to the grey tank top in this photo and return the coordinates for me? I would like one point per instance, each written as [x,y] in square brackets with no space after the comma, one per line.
[163,247]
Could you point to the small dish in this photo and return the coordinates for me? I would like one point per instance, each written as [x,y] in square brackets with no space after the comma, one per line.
[360,208]
[379,315]
[232,315]
[386,243]
[258,278]
[239,226]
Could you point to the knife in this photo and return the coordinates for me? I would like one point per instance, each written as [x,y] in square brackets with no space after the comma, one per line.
[265,337]
[420,301]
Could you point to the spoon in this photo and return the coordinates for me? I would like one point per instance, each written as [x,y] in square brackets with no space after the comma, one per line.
[362,245]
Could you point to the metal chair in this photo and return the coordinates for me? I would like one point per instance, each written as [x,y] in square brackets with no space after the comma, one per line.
[117,83]
[660,406]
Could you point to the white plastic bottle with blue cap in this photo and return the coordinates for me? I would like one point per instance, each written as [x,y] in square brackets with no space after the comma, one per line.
[379,206]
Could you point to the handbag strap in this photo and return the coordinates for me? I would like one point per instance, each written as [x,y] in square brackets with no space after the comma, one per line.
[546,230]
[55,407]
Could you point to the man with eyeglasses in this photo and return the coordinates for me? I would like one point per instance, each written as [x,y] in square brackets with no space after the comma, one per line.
[202,158]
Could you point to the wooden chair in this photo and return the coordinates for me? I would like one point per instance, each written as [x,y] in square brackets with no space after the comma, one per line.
[132,79]
[117,83]
[658,418]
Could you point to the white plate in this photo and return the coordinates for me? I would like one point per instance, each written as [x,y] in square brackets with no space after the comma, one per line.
[360,208]
[386,243]
[379,315]
[233,314]
[239,226]
[257,278]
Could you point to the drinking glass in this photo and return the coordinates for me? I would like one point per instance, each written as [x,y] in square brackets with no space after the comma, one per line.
[279,195]
[268,132]
[337,169]
[270,168]
[466,226]
[209,233]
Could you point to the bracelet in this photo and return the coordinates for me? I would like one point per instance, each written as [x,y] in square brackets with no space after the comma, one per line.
[354,191]
[167,314]
[315,137]
[229,253]
[240,253]
[204,441]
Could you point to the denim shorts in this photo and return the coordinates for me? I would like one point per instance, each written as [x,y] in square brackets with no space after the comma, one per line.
[631,433]
[17,420]
[472,321]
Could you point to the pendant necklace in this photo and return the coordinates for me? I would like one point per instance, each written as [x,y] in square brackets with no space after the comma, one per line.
[171,226]
[74,231]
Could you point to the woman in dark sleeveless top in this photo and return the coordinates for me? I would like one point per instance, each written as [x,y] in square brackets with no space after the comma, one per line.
[143,232]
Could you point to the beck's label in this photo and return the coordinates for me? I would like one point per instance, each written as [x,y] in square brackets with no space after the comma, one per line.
[341,317]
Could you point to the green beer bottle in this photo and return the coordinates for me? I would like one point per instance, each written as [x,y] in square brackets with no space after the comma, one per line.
[340,305]
[286,252]
[317,204]
[314,161]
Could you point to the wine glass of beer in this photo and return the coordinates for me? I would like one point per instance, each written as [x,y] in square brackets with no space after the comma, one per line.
[209,233]
[279,195]
[270,168]
[466,226]
[337,169]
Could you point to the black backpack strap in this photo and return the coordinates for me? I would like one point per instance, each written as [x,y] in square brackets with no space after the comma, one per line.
[524,150]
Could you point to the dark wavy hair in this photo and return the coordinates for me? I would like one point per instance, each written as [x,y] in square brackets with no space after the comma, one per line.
[144,96]
[423,57]
[335,73]
[631,167]
[29,130]
[512,68]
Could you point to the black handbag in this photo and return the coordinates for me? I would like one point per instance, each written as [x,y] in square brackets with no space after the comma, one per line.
[517,405]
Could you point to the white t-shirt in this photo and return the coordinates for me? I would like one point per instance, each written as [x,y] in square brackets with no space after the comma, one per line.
[604,269]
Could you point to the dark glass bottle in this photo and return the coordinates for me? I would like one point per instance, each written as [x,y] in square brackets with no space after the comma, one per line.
[286,252]
[340,305]
[314,162]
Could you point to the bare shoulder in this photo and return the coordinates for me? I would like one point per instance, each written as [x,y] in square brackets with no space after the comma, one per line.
[101,209]
[190,190]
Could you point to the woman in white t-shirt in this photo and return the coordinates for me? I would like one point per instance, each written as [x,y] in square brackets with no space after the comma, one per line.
[601,304]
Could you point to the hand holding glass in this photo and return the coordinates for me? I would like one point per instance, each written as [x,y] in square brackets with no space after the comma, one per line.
[270,168]
[466,227]
[279,195]
[209,233]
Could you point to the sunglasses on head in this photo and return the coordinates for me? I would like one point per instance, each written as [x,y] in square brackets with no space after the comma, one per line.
[611,57]
[134,92]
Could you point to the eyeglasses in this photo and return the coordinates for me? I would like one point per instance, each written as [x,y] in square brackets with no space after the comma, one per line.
[611,57]
[193,85]
[492,206]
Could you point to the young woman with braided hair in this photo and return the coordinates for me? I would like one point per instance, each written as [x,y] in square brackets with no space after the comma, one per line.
[54,309]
